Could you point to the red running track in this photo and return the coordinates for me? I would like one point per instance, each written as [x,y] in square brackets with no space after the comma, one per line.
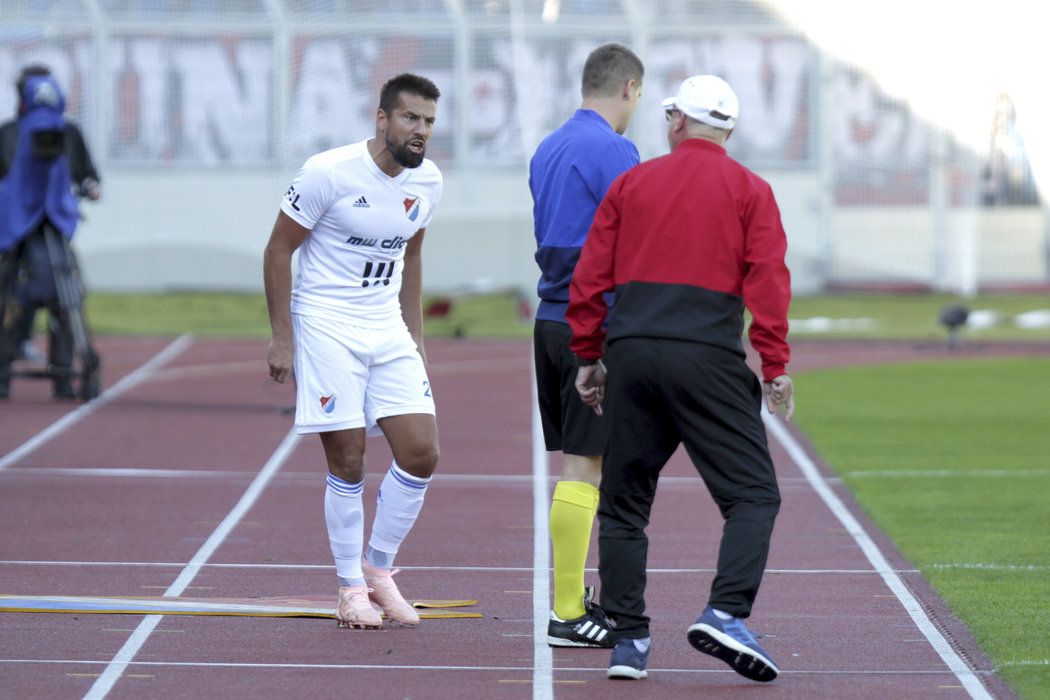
[183,478]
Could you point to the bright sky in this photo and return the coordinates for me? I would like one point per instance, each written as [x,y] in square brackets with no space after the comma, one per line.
[948,59]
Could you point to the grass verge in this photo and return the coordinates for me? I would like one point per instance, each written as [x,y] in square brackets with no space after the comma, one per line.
[891,316]
[950,459]
[227,314]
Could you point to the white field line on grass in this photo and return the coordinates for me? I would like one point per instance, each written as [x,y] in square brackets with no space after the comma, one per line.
[970,681]
[990,567]
[944,473]
[936,474]
[542,658]
[75,416]
[116,667]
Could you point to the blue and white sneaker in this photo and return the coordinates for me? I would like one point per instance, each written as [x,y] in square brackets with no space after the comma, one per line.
[731,641]
[630,657]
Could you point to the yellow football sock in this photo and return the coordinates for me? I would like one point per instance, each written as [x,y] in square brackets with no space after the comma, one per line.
[573,508]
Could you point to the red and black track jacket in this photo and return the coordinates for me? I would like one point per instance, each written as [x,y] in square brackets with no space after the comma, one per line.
[686,241]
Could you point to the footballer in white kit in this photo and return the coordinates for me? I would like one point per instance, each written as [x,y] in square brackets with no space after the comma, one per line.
[360,222]
[352,329]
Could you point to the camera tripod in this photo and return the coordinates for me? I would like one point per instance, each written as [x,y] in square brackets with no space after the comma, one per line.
[83,374]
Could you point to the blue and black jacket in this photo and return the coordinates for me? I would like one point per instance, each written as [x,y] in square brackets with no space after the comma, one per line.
[568,176]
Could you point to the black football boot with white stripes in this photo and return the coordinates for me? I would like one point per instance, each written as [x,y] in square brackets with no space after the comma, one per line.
[592,629]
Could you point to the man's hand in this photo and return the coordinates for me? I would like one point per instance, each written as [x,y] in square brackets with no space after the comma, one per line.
[279,358]
[91,189]
[778,393]
[590,382]
[286,237]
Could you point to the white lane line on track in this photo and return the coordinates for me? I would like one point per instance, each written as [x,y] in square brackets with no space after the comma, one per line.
[216,369]
[223,369]
[967,677]
[120,472]
[473,569]
[116,667]
[542,658]
[414,667]
[126,383]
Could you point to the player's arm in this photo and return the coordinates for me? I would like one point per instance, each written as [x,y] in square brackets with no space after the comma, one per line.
[411,296]
[767,294]
[287,235]
[593,278]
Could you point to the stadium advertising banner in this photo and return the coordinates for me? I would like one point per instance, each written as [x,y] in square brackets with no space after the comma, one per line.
[214,100]
[199,102]
[335,83]
[772,77]
[881,149]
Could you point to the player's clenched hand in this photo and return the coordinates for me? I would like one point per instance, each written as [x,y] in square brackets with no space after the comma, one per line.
[590,383]
[779,392]
[279,357]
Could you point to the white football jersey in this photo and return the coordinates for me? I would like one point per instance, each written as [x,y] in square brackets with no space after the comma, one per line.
[360,221]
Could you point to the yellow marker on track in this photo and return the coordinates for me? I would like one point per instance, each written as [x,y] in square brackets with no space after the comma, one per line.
[296,606]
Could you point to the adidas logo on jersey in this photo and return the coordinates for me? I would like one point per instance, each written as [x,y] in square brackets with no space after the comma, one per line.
[361,202]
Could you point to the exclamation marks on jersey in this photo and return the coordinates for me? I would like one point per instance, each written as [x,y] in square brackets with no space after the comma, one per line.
[368,279]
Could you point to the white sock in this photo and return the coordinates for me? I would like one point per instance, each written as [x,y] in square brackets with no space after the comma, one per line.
[345,516]
[721,615]
[397,507]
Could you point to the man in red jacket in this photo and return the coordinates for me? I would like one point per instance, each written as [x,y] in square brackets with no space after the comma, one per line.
[687,241]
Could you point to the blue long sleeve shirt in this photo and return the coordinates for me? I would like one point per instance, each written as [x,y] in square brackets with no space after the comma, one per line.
[568,177]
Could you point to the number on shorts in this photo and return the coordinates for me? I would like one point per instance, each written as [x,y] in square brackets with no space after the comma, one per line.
[426,388]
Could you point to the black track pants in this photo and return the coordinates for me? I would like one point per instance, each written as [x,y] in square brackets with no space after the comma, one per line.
[663,393]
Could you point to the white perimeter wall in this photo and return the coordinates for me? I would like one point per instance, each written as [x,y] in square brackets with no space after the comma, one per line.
[157,231]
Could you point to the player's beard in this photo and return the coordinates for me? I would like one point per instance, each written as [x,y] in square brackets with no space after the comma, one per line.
[402,154]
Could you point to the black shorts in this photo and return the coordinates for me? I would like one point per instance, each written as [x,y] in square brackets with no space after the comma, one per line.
[569,425]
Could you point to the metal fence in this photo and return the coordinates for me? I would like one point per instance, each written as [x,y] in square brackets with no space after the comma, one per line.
[199,111]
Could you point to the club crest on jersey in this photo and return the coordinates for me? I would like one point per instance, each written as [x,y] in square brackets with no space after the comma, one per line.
[328,403]
[412,208]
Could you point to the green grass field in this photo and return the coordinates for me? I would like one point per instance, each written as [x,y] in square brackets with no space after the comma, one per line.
[952,461]
[208,314]
[889,316]
[915,316]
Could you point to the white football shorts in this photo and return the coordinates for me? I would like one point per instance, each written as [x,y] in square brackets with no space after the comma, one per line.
[350,377]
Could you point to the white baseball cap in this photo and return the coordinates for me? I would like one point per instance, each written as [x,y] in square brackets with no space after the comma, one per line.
[707,99]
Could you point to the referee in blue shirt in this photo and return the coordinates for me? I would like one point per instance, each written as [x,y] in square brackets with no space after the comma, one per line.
[568,176]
